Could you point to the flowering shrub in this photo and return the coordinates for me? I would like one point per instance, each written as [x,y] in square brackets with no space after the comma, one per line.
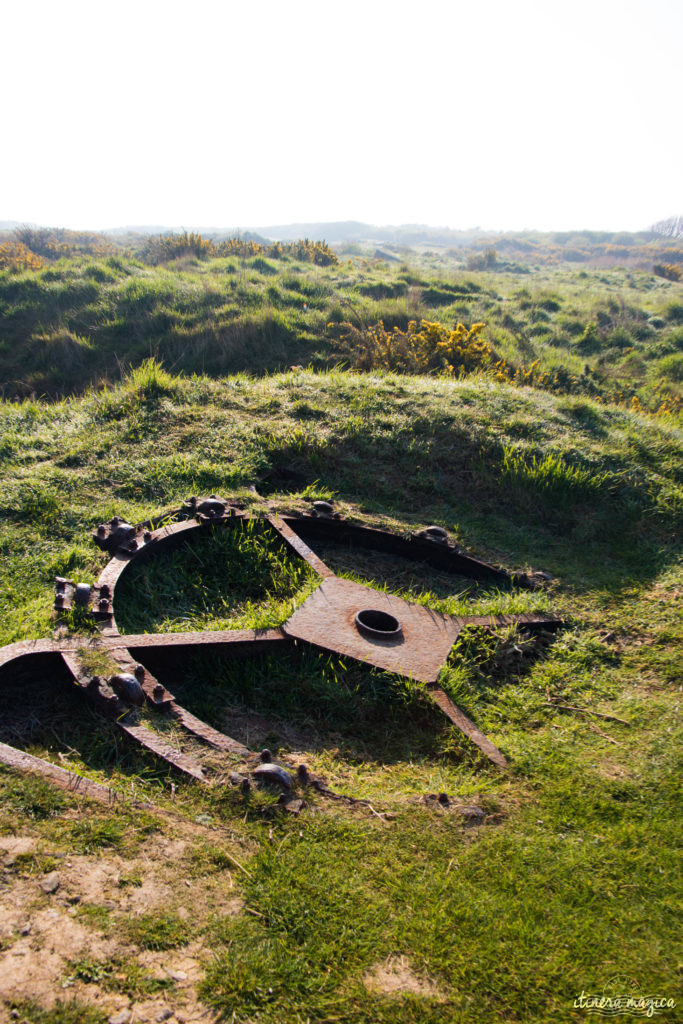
[424,348]
[55,243]
[17,256]
[433,348]
[163,248]
[668,270]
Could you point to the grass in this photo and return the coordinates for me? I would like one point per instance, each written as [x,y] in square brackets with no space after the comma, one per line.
[571,879]
[611,335]
[158,931]
[64,1012]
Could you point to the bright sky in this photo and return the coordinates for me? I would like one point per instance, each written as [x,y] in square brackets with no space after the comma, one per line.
[504,114]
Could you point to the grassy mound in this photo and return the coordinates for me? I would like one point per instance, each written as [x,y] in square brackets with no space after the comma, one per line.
[613,335]
[412,915]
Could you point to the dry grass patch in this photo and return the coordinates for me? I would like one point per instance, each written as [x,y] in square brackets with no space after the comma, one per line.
[396,978]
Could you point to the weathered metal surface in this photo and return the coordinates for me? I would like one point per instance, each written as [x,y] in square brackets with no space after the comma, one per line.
[215,739]
[300,546]
[340,616]
[233,641]
[96,690]
[273,773]
[327,619]
[63,778]
[466,725]
[146,738]
[154,691]
[434,552]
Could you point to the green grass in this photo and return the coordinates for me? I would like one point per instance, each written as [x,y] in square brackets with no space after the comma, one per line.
[64,1012]
[116,974]
[612,335]
[570,880]
[158,931]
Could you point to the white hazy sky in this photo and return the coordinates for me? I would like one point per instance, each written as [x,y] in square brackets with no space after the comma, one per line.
[500,113]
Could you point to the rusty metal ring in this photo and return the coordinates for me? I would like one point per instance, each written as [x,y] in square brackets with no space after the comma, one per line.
[377,624]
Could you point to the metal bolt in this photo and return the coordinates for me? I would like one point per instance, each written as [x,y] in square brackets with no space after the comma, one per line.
[139,672]
[436,533]
[104,604]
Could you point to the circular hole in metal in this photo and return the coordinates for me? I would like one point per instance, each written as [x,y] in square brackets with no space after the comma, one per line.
[378,624]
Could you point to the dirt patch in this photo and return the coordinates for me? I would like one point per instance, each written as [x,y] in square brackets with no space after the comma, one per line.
[12,847]
[395,977]
[41,933]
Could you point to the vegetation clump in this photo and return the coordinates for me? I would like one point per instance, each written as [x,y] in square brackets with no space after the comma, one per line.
[670,271]
[164,248]
[422,348]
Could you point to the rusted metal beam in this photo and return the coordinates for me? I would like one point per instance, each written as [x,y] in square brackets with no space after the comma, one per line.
[151,741]
[297,544]
[232,641]
[215,739]
[467,726]
[441,555]
[75,784]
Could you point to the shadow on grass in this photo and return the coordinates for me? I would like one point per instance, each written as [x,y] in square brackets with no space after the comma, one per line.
[602,532]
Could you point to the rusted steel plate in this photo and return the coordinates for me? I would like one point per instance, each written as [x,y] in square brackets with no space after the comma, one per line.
[299,546]
[234,641]
[327,619]
[60,776]
[466,725]
[146,738]
[204,732]
[27,648]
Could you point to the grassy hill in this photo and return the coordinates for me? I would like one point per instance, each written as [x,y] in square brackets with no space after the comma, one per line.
[508,920]
[613,334]
[197,899]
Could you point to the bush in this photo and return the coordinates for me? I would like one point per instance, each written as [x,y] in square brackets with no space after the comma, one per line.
[424,348]
[668,270]
[590,340]
[17,256]
[674,312]
[671,367]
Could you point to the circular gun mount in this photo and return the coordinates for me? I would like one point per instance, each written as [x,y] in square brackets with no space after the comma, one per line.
[340,616]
